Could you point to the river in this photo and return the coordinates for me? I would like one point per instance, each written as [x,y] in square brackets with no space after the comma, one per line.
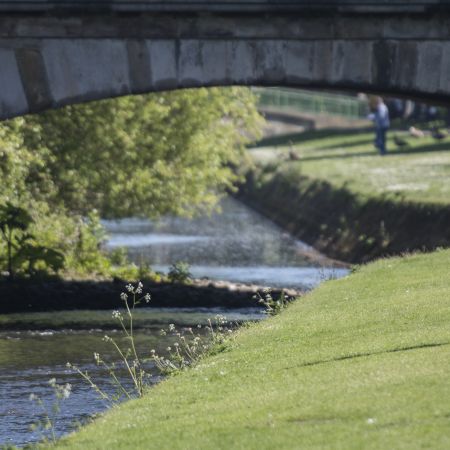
[237,245]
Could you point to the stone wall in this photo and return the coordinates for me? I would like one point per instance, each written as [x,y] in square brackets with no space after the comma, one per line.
[48,61]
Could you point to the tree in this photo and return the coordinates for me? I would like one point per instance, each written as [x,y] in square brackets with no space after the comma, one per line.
[21,248]
[144,155]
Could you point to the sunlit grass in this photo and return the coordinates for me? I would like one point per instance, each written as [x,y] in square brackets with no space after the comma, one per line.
[361,362]
[420,172]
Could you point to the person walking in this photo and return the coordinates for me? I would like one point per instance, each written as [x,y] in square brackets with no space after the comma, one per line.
[380,117]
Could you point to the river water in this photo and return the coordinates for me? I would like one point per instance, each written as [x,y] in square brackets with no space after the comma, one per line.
[237,245]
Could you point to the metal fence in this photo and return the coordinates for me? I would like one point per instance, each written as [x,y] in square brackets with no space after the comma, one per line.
[302,101]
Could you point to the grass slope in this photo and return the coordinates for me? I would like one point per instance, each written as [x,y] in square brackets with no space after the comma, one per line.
[418,173]
[361,362]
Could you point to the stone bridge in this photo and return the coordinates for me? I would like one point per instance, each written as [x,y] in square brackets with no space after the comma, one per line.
[54,53]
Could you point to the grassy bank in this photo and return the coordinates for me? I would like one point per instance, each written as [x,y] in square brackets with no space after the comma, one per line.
[360,362]
[338,195]
[418,172]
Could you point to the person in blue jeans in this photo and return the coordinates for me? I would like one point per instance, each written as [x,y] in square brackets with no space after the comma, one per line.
[380,117]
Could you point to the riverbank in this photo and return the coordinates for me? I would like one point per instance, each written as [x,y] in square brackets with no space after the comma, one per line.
[30,295]
[330,189]
[341,224]
[354,364]
[236,245]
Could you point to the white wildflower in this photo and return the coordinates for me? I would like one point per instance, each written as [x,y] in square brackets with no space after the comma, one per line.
[67,390]
[117,315]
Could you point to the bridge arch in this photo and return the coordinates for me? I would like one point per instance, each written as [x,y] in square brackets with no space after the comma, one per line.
[48,61]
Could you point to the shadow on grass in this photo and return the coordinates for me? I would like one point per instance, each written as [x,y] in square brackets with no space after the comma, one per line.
[286,140]
[297,138]
[365,355]
[345,145]
[438,147]
[429,148]
[373,152]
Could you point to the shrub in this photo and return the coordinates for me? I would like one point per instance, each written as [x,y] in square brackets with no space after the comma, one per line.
[179,272]
[23,253]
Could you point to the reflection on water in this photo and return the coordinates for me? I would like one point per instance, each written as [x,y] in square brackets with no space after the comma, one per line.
[28,359]
[237,244]
[140,240]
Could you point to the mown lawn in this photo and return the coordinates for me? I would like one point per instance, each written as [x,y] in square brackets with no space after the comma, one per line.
[419,172]
[360,363]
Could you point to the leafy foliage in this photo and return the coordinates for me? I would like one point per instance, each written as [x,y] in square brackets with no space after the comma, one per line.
[179,272]
[21,249]
[273,306]
[146,155]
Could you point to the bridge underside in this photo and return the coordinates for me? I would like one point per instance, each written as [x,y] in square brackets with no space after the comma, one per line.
[47,61]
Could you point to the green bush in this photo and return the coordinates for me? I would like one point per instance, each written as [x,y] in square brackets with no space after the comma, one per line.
[179,272]
[119,256]
[23,252]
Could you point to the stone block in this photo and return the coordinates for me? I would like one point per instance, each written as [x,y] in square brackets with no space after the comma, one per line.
[269,62]
[357,62]
[163,63]
[444,69]
[139,66]
[322,61]
[299,62]
[429,63]
[383,59]
[86,69]
[405,65]
[34,77]
[241,62]
[190,63]
[12,95]
[215,62]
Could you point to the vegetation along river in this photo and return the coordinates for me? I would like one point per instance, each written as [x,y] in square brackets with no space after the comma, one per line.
[237,245]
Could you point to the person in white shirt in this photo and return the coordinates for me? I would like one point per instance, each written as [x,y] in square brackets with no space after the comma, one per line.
[380,117]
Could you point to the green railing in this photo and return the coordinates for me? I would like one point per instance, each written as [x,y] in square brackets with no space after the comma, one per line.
[311,102]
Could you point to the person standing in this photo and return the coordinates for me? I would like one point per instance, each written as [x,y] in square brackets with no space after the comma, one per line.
[380,117]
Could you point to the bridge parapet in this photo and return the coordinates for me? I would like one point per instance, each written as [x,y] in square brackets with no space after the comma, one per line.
[53,54]
[173,6]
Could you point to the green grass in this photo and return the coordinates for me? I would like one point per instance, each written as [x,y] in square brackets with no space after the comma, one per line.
[361,362]
[419,173]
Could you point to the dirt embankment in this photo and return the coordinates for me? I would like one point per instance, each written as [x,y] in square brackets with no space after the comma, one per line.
[58,295]
[340,224]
